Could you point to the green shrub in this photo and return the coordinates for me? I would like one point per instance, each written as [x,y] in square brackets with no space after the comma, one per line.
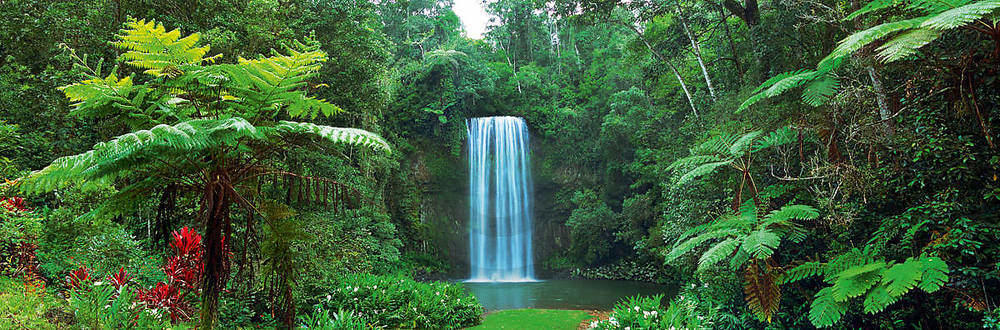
[401,302]
[102,306]
[646,313]
[23,307]
[320,318]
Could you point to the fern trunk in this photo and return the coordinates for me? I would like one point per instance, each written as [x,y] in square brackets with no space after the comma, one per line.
[215,205]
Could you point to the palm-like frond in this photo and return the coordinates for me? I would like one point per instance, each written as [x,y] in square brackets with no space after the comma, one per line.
[961,15]
[821,90]
[856,41]
[268,84]
[149,46]
[345,135]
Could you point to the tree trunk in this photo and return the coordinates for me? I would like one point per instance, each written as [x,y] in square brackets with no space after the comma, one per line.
[882,99]
[677,73]
[215,208]
[696,47]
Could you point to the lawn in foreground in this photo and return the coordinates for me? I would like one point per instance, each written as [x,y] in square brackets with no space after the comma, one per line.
[554,319]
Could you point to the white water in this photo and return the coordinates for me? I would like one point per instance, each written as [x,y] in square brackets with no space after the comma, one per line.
[500,200]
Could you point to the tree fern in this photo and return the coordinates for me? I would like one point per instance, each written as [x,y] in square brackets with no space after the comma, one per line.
[900,278]
[762,293]
[905,37]
[149,46]
[761,243]
[801,272]
[717,253]
[824,311]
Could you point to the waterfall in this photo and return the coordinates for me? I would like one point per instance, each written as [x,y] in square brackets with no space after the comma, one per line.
[500,195]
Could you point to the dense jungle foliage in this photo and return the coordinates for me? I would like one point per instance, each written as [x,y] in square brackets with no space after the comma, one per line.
[286,163]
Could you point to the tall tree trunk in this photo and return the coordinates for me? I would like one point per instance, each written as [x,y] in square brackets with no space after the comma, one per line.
[696,47]
[215,205]
[881,99]
[732,44]
[673,68]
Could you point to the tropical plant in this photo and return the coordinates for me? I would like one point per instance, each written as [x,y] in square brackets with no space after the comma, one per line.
[748,240]
[860,273]
[928,21]
[209,130]
[732,150]
[638,312]
[401,302]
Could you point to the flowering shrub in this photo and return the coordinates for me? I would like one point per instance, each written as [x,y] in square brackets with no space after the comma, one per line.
[19,227]
[321,318]
[647,313]
[401,302]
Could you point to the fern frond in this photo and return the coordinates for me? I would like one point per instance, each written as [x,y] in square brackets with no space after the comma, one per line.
[935,274]
[760,244]
[935,6]
[960,16]
[780,137]
[692,161]
[277,82]
[701,170]
[906,44]
[900,278]
[821,90]
[824,310]
[856,41]
[688,245]
[873,7]
[855,281]
[740,146]
[762,291]
[789,212]
[717,253]
[878,299]
[802,272]
[149,46]
[343,135]
[717,144]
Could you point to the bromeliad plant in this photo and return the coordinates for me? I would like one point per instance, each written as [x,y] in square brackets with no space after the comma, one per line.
[212,130]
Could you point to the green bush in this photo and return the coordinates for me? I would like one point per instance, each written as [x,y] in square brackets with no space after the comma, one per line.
[401,302]
[102,306]
[647,313]
[24,307]
[320,318]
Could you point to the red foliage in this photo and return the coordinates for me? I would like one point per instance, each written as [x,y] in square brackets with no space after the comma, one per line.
[14,204]
[119,278]
[78,279]
[167,297]
[184,271]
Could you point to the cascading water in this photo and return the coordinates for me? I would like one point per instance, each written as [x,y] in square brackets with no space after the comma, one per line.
[500,200]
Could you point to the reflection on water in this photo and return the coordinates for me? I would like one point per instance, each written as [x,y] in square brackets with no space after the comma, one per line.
[561,294]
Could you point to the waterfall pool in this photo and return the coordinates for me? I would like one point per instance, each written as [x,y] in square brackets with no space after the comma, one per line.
[562,293]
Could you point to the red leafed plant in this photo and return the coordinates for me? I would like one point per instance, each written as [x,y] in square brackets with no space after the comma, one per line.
[14,204]
[184,271]
[78,279]
[119,278]
[167,297]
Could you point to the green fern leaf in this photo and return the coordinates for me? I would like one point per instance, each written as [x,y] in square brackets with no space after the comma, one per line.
[900,278]
[686,246]
[856,41]
[960,16]
[717,253]
[821,90]
[739,147]
[149,46]
[906,44]
[873,7]
[717,144]
[824,310]
[789,212]
[935,274]
[343,135]
[801,272]
[701,170]
[855,281]
[693,160]
[878,299]
[780,137]
[761,244]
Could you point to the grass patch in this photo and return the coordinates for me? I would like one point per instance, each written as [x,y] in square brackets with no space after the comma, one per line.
[554,319]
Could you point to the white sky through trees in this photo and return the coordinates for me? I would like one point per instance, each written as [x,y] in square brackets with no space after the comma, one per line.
[474,17]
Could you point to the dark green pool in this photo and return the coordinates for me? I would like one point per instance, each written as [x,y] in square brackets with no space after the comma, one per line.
[561,294]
